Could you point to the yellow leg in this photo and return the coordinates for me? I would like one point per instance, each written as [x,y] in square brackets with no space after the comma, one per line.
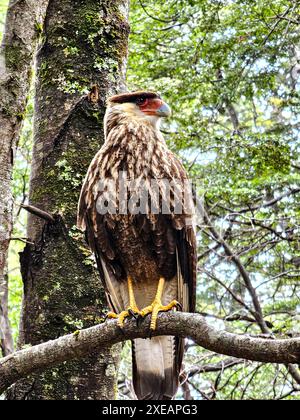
[132,309]
[157,306]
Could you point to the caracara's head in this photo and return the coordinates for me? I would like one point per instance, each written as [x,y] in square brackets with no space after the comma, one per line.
[139,106]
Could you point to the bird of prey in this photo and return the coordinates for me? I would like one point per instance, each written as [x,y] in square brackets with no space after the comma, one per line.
[146,259]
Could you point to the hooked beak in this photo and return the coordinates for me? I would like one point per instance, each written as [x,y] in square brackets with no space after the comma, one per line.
[156,107]
[164,111]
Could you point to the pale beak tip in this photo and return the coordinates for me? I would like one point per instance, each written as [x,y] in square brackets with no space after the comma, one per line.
[164,111]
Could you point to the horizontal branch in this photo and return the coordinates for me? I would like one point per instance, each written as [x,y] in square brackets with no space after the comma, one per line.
[291,191]
[80,344]
[214,367]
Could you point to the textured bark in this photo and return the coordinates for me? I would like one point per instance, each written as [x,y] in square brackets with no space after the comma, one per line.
[16,56]
[85,43]
[193,326]
[6,338]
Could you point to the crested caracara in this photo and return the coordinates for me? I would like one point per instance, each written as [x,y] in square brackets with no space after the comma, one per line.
[145,252]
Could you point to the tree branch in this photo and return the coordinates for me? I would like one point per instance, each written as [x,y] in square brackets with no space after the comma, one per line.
[38,212]
[258,314]
[294,373]
[214,367]
[6,338]
[291,191]
[193,326]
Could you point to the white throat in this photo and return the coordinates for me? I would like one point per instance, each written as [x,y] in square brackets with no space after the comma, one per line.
[154,120]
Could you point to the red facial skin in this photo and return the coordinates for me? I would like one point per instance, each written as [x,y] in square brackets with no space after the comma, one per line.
[150,106]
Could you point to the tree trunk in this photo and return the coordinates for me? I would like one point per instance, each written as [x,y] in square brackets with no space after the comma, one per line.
[16,56]
[6,338]
[85,44]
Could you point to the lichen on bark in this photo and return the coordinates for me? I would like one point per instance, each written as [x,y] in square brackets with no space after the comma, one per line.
[62,290]
[16,57]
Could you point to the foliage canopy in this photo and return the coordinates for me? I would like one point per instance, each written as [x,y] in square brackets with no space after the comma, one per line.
[230,69]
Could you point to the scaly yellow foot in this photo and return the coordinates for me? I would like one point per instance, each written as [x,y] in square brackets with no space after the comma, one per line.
[157,306]
[132,310]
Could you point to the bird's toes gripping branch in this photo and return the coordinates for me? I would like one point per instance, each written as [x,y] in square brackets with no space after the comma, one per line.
[157,307]
[153,309]
[131,311]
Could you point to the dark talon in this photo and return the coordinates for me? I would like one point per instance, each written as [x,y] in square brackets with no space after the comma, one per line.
[179,306]
[132,313]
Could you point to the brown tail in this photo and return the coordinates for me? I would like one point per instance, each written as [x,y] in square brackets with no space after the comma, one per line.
[156,367]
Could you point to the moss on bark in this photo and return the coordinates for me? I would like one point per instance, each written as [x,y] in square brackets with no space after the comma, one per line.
[85,43]
[16,56]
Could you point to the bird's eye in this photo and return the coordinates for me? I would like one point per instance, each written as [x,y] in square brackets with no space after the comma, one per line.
[141,101]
